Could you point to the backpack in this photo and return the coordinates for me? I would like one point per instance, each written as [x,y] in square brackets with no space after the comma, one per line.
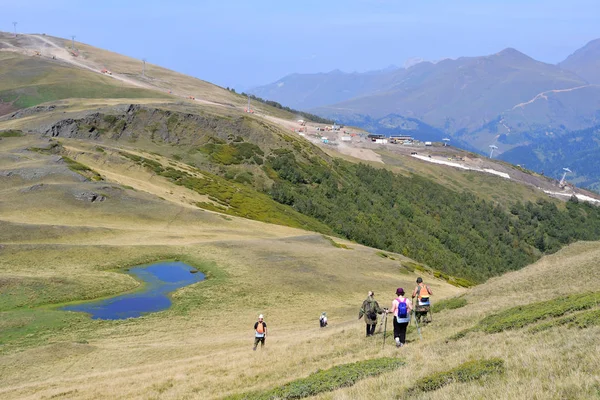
[402,310]
[370,311]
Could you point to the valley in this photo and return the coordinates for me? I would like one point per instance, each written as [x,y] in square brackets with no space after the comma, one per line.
[100,173]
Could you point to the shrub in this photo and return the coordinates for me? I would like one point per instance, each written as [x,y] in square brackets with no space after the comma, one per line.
[467,372]
[325,380]
[449,304]
[521,316]
[11,133]
[336,244]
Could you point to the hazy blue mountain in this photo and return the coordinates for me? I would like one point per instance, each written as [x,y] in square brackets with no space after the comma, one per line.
[306,91]
[507,98]
[585,62]
[579,151]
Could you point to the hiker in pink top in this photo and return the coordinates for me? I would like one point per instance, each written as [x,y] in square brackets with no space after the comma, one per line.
[401,308]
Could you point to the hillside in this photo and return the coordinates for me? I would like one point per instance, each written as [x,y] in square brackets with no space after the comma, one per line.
[281,224]
[585,62]
[577,151]
[505,98]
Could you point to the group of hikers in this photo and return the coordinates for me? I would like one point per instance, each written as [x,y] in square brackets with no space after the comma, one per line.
[401,309]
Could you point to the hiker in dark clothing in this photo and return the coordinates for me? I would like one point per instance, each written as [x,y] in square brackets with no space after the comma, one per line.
[370,308]
[260,332]
[401,308]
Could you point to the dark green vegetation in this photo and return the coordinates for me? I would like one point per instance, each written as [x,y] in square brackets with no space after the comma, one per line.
[467,372]
[580,320]
[326,380]
[456,233]
[29,81]
[308,116]
[336,244]
[579,151]
[521,316]
[82,169]
[231,197]
[449,304]
[10,133]
[242,161]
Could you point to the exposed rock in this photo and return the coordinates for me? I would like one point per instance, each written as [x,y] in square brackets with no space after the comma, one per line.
[90,196]
[33,188]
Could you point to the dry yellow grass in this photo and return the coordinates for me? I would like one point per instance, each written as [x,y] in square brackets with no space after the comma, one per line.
[201,347]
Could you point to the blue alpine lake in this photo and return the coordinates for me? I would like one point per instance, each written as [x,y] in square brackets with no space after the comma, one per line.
[160,279]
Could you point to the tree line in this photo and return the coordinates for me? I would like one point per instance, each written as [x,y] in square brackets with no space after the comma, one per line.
[455,232]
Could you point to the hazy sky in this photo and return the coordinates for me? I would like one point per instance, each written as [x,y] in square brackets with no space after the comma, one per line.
[253,42]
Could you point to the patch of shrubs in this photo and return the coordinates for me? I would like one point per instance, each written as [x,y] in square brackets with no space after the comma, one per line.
[81,169]
[326,380]
[580,320]
[234,153]
[521,316]
[11,133]
[467,372]
[336,244]
[449,304]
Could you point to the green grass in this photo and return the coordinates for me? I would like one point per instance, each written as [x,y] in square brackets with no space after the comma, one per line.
[232,197]
[11,133]
[27,82]
[467,372]
[521,316]
[326,380]
[336,244]
[579,320]
[449,304]
[81,169]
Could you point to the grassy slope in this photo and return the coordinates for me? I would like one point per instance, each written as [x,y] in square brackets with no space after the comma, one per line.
[27,81]
[201,347]
[289,275]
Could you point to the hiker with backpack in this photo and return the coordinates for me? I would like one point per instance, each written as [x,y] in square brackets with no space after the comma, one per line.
[422,305]
[260,332]
[401,308]
[370,308]
[323,320]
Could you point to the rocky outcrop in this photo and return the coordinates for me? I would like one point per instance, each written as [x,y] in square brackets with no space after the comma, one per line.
[92,197]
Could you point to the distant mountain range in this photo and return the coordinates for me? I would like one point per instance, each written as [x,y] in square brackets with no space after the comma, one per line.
[507,98]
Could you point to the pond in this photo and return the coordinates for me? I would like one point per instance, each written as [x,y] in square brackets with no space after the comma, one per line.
[160,279]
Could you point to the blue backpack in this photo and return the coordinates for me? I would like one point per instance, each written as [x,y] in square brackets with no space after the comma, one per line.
[402,310]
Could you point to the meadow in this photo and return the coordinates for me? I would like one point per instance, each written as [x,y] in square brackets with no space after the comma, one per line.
[57,249]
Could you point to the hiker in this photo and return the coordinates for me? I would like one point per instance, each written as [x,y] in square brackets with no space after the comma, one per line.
[323,320]
[260,332]
[401,308]
[370,308]
[422,305]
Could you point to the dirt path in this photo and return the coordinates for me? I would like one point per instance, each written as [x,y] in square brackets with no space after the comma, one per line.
[543,95]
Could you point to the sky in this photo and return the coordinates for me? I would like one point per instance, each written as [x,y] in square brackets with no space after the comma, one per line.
[243,44]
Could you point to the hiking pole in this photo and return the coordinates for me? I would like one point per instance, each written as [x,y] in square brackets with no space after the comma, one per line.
[384,328]
[417,324]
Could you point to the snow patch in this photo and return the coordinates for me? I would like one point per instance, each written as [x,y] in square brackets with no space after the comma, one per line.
[457,165]
[581,197]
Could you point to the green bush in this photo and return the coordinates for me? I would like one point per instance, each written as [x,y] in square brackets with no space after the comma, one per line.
[580,320]
[11,133]
[467,372]
[326,380]
[518,317]
[521,316]
[449,304]
[336,244]
[81,169]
